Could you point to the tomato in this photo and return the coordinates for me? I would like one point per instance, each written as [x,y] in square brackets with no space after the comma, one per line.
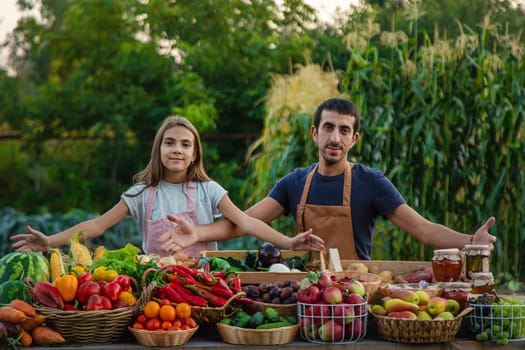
[165,301]
[142,319]
[183,310]
[152,309]
[191,322]
[153,324]
[165,325]
[167,312]
[184,327]
[138,325]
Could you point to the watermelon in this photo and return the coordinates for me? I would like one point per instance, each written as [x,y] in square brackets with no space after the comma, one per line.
[14,289]
[19,265]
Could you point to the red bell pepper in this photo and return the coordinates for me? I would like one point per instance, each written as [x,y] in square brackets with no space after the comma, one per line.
[45,293]
[98,302]
[124,281]
[86,290]
[85,277]
[112,291]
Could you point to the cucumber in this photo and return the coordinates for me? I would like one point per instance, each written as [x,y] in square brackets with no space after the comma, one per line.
[272,325]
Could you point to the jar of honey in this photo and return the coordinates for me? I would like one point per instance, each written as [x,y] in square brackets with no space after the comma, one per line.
[458,291]
[482,282]
[476,259]
[446,265]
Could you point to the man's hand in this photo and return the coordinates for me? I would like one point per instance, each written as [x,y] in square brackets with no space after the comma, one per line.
[307,241]
[180,237]
[482,235]
[33,241]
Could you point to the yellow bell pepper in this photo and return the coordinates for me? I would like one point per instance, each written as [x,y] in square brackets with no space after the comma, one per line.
[101,273]
[128,297]
[67,286]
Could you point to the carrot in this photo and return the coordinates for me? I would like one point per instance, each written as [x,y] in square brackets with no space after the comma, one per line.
[23,306]
[25,339]
[45,335]
[31,323]
[8,313]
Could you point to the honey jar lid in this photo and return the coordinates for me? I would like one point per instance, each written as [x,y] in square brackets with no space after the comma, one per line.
[479,249]
[450,254]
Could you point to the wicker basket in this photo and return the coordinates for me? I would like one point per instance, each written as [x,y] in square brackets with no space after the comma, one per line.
[77,326]
[284,310]
[419,331]
[431,289]
[248,336]
[163,338]
[370,281]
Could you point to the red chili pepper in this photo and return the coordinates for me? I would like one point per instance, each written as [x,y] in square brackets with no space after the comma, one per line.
[236,284]
[221,291]
[213,299]
[218,274]
[205,277]
[188,296]
[98,302]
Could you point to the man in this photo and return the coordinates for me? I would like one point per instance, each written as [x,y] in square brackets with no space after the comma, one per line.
[339,200]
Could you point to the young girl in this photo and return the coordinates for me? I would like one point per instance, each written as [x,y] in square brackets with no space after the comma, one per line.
[173,183]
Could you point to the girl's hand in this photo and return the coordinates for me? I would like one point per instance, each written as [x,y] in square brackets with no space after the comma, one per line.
[307,241]
[180,237]
[482,235]
[33,241]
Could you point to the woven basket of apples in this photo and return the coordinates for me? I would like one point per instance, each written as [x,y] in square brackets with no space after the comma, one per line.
[407,316]
[331,310]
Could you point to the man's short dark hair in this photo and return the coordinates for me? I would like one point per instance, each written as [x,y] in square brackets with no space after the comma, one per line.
[341,106]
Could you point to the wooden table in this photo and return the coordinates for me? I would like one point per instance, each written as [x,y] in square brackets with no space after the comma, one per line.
[208,338]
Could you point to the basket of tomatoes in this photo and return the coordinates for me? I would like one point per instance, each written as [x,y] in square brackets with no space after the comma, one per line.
[163,324]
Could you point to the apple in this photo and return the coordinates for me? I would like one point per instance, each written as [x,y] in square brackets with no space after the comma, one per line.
[355,286]
[317,313]
[332,295]
[437,305]
[357,301]
[324,280]
[355,330]
[331,331]
[343,313]
[445,315]
[453,306]
[423,315]
[424,297]
[307,327]
[309,295]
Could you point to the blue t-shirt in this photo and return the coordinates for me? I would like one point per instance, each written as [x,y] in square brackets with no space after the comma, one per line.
[372,194]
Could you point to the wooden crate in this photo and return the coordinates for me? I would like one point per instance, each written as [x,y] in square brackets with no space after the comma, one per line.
[258,277]
[397,267]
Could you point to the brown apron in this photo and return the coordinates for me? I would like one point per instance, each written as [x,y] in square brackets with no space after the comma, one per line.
[330,222]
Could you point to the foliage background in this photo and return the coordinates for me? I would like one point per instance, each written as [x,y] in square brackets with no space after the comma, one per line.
[441,94]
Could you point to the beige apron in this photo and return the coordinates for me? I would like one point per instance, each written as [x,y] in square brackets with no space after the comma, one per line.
[330,222]
[155,228]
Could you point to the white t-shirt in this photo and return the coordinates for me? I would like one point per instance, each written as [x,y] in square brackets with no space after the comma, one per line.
[171,199]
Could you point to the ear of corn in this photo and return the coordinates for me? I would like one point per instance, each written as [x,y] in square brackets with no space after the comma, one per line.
[99,252]
[79,252]
[56,264]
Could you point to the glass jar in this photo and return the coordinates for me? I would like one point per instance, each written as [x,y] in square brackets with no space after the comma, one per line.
[482,282]
[458,291]
[446,265]
[476,259]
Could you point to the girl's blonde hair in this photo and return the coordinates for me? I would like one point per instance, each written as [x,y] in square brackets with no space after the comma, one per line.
[154,171]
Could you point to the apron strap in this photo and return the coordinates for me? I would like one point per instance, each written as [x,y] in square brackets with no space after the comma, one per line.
[151,199]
